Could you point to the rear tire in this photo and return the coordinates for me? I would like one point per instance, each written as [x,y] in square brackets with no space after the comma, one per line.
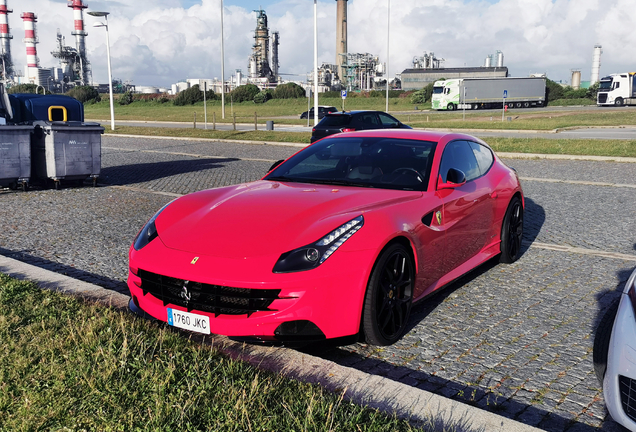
[512,232]
[389,296]
[602,341]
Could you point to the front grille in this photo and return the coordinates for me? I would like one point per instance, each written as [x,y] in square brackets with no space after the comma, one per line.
[627,388]
[216,299]
[602,97]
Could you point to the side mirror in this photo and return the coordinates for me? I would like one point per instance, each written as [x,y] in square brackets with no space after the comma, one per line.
[276,164]
[454,179]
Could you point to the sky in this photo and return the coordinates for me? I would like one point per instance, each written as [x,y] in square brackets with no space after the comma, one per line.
[160,42]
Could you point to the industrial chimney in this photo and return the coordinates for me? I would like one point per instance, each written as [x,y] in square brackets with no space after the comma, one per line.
[596,64]
[5,40]
[341,38]
[30,40]
[80,34]
[275,43]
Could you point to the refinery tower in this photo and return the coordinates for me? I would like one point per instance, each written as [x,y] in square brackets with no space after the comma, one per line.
[5,40]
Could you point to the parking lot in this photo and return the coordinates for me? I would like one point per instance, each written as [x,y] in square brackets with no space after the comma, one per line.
[514,339]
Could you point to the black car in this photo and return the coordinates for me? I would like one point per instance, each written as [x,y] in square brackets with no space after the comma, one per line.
[322,111]
[334,123]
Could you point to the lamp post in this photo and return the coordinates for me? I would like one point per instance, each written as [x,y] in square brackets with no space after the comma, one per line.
[110,75]
[315,63]
[222,67]
[388,27]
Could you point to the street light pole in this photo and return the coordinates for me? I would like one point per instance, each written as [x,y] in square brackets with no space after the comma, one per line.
[110,74]
[388,27]
[315,63]
[222,66]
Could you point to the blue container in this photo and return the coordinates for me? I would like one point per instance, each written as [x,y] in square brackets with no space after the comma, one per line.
[34,107]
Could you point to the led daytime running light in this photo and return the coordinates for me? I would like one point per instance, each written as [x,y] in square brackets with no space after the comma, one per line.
[332,236]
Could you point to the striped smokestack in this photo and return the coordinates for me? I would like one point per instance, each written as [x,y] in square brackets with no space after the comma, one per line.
[5,36]
[341,38]
[30,38]
[79,32]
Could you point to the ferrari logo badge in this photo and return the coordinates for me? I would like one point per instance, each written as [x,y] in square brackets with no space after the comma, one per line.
[438,215]
[185,294]
[194,261]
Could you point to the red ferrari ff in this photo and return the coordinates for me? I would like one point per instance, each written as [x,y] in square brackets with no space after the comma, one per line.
[338,240]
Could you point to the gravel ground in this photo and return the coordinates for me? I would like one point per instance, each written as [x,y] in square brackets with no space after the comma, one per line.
[515,339]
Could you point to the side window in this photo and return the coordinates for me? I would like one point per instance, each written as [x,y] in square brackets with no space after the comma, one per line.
[388,121]
[484,157]
[370,119]
[459,155]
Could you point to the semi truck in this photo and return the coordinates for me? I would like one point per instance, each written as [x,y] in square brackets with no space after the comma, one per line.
[488,93]
[617,89]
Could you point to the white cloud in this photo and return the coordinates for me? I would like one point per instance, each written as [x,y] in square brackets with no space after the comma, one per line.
[157,42]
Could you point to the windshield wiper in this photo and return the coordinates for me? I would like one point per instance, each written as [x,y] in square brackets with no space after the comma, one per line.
[340,182]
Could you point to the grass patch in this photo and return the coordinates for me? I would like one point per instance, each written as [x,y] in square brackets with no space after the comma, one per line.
[581,147]
[155,111]
[540,120]
[621,148]
[292,137]
[69,365]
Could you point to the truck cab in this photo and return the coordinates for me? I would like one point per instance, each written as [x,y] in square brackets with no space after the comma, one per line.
[445,95]
[617,89]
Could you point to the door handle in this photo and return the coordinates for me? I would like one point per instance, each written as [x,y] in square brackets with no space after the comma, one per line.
[494,195]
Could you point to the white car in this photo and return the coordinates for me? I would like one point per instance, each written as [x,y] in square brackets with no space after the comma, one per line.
[615,356]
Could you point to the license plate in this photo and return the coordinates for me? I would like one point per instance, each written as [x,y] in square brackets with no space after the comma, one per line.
[189,321]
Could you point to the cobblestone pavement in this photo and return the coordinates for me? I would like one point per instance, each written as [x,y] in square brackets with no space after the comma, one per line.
[514,339]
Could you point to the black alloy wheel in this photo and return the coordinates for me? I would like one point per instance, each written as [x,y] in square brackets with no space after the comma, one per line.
[512,232]
[389,296]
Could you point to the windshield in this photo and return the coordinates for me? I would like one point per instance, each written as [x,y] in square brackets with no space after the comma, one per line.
[438,90]
[605,85]
[386,163]
[336,120]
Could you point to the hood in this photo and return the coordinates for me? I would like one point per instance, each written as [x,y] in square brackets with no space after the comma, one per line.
[265,217]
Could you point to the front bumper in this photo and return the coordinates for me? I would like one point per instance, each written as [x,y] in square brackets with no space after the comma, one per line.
[619,384]
[329,297]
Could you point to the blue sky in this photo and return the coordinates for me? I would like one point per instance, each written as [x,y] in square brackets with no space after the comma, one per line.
[159,42]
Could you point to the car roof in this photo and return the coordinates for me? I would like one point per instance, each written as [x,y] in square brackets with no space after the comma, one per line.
[408,134]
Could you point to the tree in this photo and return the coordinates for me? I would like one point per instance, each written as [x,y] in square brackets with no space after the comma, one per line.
[423,95]
[553,90]
[289,91]
[244,93]
[84,94]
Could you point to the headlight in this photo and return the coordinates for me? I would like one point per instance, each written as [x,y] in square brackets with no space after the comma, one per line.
[311,256]
[149,231]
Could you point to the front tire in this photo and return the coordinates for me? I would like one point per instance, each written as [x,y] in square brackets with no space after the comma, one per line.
[602,341]
[618,102]
[389,296]
[512,232]
[450,107]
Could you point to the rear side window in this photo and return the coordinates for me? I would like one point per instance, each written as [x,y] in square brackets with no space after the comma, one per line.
[336,120]
[459,155]
[484,157]
[369,119]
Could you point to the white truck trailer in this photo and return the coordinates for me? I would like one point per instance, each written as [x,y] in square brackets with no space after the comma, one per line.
[617,89]
[488,93]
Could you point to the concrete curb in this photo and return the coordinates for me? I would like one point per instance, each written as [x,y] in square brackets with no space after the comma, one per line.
[362,388]
[301,145]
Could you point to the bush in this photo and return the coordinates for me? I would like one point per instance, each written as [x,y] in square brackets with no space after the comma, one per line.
[126,98]
[189,96]
[263,96]
[592,91]
[289,91]
[244,93]
[84,94]
[25,88]
[423,95]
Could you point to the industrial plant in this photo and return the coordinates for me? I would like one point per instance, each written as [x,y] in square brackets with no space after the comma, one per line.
[74,66]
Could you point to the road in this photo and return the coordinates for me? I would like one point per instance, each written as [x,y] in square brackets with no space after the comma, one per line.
[514,339]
